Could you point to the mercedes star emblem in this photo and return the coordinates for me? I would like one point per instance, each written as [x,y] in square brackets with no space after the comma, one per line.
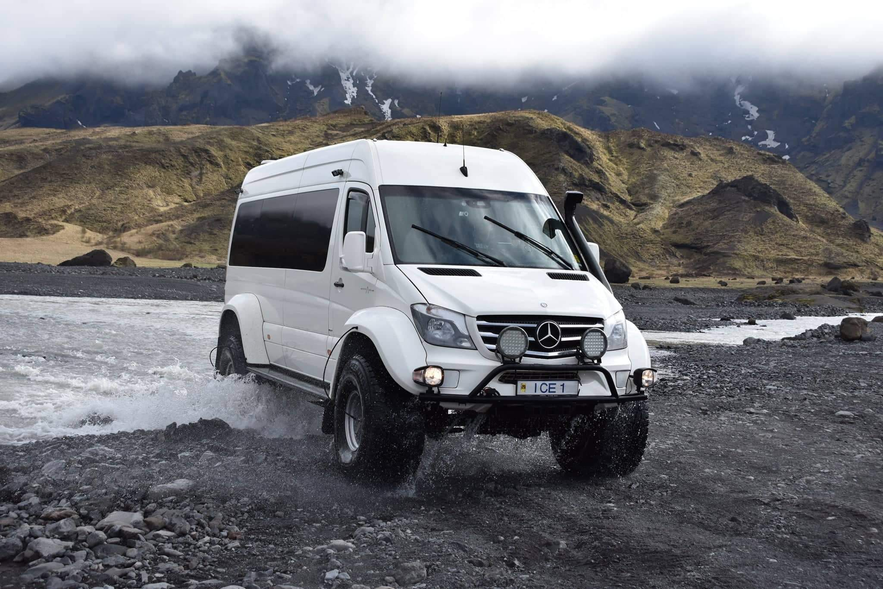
[549,334]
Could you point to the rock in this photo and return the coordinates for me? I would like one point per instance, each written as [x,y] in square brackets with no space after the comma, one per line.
[57,514]
[646,287]
[761,282]
[788,316]
[410,573]
[37,571]
[125,262]
[95,538]
[616,271]
[331,576]
[179,525]
[202,429]
[854,329]
[46,548]
[726,318]
[844,414]
[862,230]
[834,285]
[187,265]
[877,319]
[683,301]
[848,286]
[9,548]
[675,280]
[53,469]
[155,522]
[98,454]
[93,258]
[779,281]
[722,282]
[341,546]
[876,293]
[133,519]
[751,341]
[645,277]
[752,321]
[108,550]
[65,529]
[636,285]
[176,487]
[157,586]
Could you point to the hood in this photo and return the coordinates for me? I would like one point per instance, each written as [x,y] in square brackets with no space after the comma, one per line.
[515,291]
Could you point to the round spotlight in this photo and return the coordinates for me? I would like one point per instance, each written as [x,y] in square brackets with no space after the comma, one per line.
[593,344]
[512,343]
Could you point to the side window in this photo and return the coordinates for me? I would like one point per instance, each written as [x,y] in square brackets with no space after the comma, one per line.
[360,218]
[311,230]
[276,240]
[243,249]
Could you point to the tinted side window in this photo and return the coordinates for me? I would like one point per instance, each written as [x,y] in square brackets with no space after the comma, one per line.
[311,233]
[285,232]
[360,218]
[245,232]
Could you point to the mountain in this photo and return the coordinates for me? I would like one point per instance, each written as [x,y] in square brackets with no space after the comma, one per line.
[831,134]
[660,202]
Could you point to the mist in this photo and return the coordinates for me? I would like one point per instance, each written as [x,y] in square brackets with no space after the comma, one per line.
[475,42]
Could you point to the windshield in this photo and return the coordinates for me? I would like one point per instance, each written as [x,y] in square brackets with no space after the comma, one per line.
[459,226]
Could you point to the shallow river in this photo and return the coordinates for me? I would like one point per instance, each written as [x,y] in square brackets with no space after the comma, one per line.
[85,365]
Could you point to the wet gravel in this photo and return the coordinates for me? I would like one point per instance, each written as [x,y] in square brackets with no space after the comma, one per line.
[763,469]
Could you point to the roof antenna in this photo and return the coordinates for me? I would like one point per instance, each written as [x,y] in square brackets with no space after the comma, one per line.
[463,169]
[438,118]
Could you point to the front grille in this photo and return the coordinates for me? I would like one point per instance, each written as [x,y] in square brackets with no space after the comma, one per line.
[513,376]
[572,328]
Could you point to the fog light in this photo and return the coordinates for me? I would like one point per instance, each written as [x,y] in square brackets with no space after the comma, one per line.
[432,376]
[593,344]
[512,343]
[644,378]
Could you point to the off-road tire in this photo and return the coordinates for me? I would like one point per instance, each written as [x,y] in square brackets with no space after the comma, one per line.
[392,429]
[231,357]
[611,442]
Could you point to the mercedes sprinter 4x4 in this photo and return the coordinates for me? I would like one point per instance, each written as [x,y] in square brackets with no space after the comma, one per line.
[412,288]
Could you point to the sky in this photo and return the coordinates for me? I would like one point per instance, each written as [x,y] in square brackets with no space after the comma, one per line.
[475,42]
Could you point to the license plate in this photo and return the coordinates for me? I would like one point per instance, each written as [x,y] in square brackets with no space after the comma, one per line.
[547,387]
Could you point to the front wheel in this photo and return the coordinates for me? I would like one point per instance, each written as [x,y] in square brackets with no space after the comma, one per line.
[609,442]
[378,429]
[231,357]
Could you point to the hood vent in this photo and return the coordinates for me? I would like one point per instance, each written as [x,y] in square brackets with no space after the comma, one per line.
[566,276]
[450,271]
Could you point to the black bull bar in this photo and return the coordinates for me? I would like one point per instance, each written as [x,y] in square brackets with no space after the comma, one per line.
[480,396]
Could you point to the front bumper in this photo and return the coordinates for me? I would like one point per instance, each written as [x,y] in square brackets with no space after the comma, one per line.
[484,395]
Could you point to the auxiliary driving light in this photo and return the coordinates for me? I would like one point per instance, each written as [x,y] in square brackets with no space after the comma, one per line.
[431,376]
[593,344]
[512,343]
[644,378]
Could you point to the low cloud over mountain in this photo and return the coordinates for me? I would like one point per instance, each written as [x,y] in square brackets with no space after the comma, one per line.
[463,42]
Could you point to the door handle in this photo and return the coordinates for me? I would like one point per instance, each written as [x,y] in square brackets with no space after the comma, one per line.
[339,283]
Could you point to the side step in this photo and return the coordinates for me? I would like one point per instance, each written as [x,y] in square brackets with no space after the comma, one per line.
[315,394]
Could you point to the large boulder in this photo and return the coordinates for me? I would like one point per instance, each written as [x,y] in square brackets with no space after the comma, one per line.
[125,262]
[862,230]
[93,258]
[616,271]
[834,285]
[854,329]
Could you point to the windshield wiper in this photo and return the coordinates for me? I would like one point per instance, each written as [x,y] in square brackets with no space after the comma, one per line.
[550,253]
[461,246]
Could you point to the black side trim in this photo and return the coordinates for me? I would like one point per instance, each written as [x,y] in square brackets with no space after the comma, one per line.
[450,271]
[567,276]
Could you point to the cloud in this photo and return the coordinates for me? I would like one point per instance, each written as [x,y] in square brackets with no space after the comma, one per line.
[473,41]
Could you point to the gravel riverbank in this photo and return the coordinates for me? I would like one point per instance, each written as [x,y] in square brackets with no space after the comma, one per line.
[758,473]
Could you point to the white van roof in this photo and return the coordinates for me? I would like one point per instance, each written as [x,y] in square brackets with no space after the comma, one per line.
[408,163]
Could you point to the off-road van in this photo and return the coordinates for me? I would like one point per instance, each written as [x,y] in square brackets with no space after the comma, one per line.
[412,288]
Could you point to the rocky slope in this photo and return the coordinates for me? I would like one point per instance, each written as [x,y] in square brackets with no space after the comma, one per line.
[169,192]
[830,133]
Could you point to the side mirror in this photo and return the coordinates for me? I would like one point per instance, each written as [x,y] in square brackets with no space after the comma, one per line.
[595,251]
[354,257]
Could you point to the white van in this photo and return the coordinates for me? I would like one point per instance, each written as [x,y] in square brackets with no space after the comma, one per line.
[411,288]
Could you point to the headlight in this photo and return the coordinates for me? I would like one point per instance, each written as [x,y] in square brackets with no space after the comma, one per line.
[441,327]
[618,338]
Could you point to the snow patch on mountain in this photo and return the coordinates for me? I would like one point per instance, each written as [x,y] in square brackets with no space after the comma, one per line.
[786,157]
[751,111]
[369,83]
[349,85]
[384,107]
[657,126]
[554,98]
[523,99]
[770,140]
[396,102]
[314,89]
